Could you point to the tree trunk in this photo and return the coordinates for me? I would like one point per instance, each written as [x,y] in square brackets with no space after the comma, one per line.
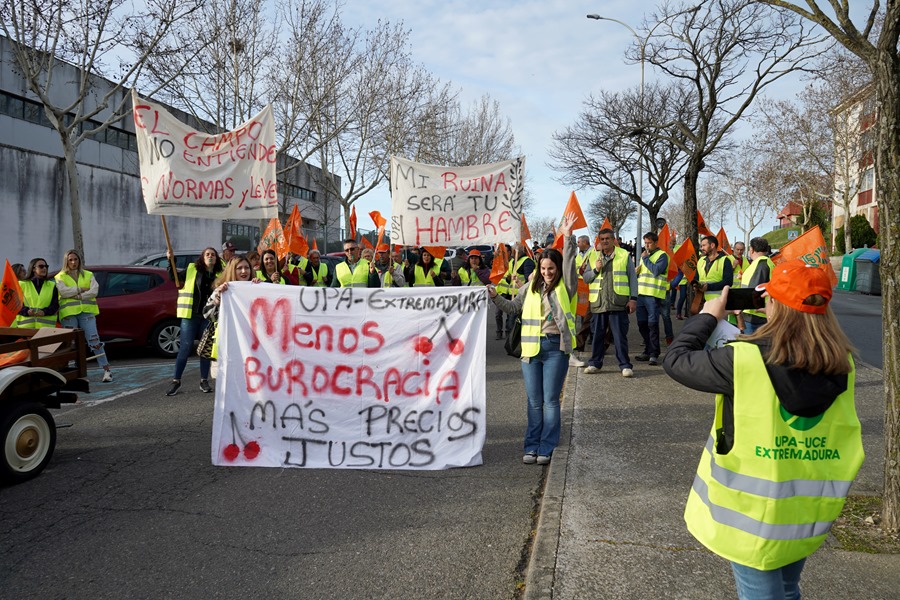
[74,199]
[887,177]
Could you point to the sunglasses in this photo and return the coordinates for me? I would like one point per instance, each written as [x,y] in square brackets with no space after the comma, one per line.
[40,266]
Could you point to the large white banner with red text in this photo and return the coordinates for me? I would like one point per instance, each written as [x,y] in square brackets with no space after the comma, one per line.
[350,377]
[456,206]
[189,173]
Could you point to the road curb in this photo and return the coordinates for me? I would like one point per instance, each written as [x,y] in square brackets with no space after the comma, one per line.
[541,572]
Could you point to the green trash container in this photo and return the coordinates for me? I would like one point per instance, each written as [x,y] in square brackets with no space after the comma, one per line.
[848,270]
[868,278]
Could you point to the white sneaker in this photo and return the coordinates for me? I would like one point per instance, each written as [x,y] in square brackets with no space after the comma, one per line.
[107,376]
[574,362]
[590,370]
[625,373]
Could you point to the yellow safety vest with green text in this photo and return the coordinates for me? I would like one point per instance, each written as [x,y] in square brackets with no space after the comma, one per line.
[772,499]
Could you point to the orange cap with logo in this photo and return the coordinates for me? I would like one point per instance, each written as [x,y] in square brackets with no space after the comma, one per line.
[794,281]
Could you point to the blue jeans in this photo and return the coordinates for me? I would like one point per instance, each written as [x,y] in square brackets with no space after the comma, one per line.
[679,304]
[544,376]
[665,313]
[751,327]
[648,323]
[191,329]
[777,584]
[617,321]
[88,323]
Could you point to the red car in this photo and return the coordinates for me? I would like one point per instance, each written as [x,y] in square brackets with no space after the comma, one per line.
[137,307]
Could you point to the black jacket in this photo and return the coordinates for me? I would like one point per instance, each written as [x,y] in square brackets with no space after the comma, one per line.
[687,362]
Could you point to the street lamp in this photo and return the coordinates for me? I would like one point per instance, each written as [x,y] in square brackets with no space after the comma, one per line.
[642,43]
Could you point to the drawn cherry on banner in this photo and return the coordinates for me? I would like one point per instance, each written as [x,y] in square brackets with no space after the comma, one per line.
[232,450]
[426,344]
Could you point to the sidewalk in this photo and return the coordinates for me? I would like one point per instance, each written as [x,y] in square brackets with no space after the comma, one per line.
[611,522]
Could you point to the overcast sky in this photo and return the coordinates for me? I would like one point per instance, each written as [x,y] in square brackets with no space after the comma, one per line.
[538,58]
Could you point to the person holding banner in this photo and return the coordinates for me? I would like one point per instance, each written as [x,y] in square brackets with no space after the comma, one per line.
[40,298]
[238,269]
[197,287]
[269,272]
[78,305]
[785,444]
[548,337]
[424,272]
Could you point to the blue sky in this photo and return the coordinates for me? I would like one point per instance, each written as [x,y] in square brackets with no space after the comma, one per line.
[538,58]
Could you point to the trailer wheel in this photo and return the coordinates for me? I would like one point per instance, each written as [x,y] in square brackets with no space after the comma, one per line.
[28,434]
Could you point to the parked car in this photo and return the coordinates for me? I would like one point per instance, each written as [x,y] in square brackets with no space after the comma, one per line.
[137,307]
[159,259]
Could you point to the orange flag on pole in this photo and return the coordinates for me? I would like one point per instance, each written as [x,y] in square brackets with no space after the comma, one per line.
[380,223]
[723,241]
[810,248]
[315,246]
[572,206]
[436,252]
[367,243]
[353,223]
[686,259]
[702,229]
[666,246]
[606,225]
[500,264]
[293,234]
[273,237]
[10,296]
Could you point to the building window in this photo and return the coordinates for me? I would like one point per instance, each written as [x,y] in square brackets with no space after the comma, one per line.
[867,180]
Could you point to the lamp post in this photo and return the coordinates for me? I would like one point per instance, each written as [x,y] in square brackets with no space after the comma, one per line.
[642,42]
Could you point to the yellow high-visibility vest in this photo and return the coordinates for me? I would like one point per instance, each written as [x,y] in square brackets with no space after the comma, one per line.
[533,318]
[74,306]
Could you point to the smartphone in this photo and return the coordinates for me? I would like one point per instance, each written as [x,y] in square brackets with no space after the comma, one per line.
[744,299]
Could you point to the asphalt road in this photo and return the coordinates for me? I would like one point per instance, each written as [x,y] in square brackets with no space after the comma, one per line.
[130,507]
[860,317]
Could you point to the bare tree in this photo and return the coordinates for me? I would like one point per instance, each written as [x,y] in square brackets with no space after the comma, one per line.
[751,188]
[101,39]
[604,148]
[541,226]
[611,205]
[880,54]
[726,52]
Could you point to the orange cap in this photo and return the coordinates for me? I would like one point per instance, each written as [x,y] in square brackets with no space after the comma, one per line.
[384,248]
[474,252]
[794,281]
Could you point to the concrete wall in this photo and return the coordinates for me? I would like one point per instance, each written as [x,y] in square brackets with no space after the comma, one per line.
[36,218]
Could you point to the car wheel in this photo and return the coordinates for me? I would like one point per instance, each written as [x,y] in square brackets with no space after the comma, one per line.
[165,339]
[28,434]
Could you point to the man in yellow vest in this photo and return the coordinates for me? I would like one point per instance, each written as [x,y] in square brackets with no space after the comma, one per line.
[389,272]
[758,273]
[714,269]
[653,285]
[355,271]
[316,272]
[584,258]
[613,296]
[41,298]
[739,262]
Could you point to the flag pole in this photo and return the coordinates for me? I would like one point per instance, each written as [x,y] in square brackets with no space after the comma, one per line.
[169,250]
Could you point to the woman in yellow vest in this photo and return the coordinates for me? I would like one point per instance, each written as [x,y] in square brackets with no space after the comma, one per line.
[196,288]
[40,301]
[785,444]
[425,272]
[78,305]
[269,271]
[548,336]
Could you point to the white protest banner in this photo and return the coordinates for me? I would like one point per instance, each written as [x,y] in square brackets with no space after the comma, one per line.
[188,173]
[456,206]
[350,377]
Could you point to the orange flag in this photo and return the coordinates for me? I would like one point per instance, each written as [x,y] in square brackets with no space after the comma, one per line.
[810,248]
[273,237]
[723,241]
[606,225]
[501,263]
[666,246]
[293,234]
[315,246]
[702,229]
[436,252]
[526,233]
[686,259]
[380,223]
[353,223]
[367,243]
[10,296]
[572,206]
